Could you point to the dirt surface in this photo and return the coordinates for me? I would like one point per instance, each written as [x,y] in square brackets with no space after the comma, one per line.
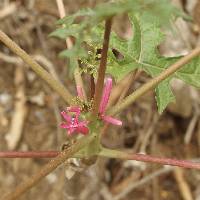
[23,96]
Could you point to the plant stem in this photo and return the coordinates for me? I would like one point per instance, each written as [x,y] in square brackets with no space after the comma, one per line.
[102,68]
[28,154]
[92,87]
[147,158]
[48,168]
[61,9]
[53,83]
[144,180]
[153,83]
[79,82]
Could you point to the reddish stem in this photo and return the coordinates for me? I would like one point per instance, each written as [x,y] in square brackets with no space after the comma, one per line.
[48,168]
[92,87]
[164,161]
[28,154]
[151,159]
[102,68]
[107,153]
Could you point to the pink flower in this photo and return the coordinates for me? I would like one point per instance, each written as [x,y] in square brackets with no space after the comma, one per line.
[72,124]
[72,121]
[104,102]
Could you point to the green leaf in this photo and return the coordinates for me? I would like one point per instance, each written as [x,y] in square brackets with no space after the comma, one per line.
[80,24]
[73,52]
[68,20]
[65,32]
[164,95]
[190,73]
[140,51]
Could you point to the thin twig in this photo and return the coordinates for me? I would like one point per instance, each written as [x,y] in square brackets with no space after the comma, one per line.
[49,66]
[148,134]
[54,84]
[148,158]
[192,125]
[28,154]
[48,168]
[153,83]
[20,110]
[102,68]
[69,43]
[122,185]
[10,9]
[61,9]
[143,181]
[184,188]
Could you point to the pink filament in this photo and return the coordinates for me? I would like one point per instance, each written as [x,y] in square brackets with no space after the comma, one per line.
[111,120]
[106,95]
[104,102]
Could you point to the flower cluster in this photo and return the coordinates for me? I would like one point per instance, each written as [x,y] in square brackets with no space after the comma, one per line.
[73,123]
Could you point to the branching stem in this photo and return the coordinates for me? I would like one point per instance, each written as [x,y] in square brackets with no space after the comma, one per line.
[48,168]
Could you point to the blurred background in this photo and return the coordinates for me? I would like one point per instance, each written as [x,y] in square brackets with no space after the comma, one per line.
[30,114]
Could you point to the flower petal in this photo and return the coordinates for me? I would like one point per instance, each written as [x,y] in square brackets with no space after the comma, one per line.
[106,95]
[71,130]
[83,123]
[83,129]
[64,125]
[72,124]
[111,120]
[66,116]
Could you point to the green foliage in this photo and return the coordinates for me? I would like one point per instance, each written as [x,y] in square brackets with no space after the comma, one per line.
[140,51]
[80,24]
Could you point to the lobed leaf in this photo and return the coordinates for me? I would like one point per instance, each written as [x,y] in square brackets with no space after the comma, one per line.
[140,51]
